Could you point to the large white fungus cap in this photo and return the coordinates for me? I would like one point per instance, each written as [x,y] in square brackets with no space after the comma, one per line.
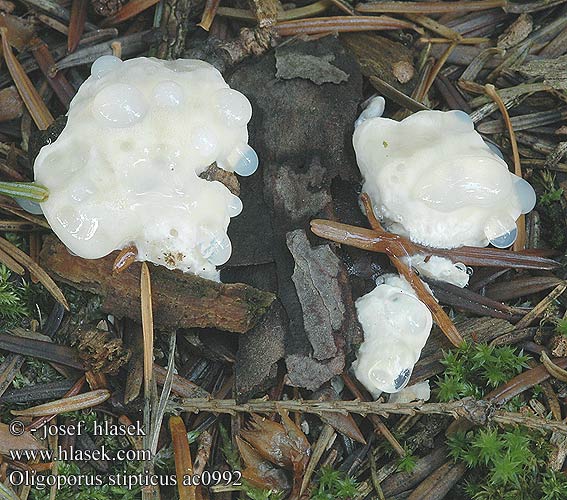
[432,178]
[396,326]
[125,170]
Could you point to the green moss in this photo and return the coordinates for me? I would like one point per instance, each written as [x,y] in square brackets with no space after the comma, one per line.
[473,369]
[506,463]
[334,484]
[12,299]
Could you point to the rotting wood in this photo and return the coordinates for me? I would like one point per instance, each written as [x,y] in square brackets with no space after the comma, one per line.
[180,300]
[174,28]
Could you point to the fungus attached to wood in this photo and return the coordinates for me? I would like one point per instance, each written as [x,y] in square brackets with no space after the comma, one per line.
[125,171]
[432,178]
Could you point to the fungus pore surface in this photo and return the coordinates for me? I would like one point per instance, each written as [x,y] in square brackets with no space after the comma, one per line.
[125,170]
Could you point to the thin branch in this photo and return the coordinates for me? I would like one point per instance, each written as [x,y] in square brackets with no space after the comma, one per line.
[476,411]
[428,7]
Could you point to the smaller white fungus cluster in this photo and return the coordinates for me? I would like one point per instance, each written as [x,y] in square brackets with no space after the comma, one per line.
[432,178]
[125,170]
[396,326]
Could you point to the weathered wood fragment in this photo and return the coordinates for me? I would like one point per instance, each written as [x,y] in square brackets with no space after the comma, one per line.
[180,300]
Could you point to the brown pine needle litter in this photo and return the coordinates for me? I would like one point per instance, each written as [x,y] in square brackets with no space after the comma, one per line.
[22,258]
[520,242]
[182,455]
[34,103]
[147,326]
[72,403]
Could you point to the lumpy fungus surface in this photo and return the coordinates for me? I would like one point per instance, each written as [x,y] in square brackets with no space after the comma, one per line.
[431,177]
[125,170]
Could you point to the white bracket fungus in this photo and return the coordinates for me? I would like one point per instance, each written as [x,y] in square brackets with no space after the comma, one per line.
[396,326]
[431,177]
[125,170]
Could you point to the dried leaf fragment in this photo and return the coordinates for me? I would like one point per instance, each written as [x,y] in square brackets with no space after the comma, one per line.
[9,442]
[11,104]
[516,32]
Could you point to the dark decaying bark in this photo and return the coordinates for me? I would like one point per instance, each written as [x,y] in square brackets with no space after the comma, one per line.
[180,300]
[303,150]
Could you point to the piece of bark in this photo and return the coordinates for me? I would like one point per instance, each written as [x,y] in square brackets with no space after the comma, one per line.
[175,25]
[258,354]
[229,179]
[293,64]
[180,300]
[252,229]
[315,278]
[381,57]
[303,151]
[553,71]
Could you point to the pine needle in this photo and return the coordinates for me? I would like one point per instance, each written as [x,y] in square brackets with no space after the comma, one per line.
[36,107]
[147,326]
[182,453]
[520,242]
[34,268]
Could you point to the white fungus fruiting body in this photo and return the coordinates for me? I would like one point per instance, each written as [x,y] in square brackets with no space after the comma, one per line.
[441,269]
[396,326]
[416,392]
[125,170]
[431,177]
